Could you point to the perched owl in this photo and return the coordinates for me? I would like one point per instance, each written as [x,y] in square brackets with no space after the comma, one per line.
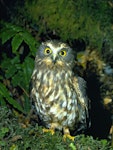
[58,95]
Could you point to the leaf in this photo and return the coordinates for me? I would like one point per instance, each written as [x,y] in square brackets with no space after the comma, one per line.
[27,104]
[11,69]
[23,77]
[24,73]
[14,147]
[30,41]
[5,94]
[16,28]
[17,77]
[15,60]
[2,101]
[6,35]
[16,42]
[72,146]
[28,38]
[27,67]
[2,143]
[4,130]
[9,26]
[4,63]
[33,49]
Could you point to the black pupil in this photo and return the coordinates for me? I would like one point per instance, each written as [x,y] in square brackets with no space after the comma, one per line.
[62,52]
[47,51]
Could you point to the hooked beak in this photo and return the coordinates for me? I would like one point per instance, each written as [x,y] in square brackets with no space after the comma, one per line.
[54,58]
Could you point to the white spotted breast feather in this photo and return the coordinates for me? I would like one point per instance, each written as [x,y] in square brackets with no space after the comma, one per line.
[60,97]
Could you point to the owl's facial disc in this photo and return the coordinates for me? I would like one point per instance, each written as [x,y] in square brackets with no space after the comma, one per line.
[56,53]
[54,59]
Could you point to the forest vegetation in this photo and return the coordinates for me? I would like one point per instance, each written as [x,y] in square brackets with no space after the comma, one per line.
[87,26]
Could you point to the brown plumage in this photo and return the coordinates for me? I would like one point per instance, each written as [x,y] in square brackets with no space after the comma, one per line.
[58,95]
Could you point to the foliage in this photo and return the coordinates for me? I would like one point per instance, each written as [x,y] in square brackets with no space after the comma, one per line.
[86,20]
[14,137]
[18,35]
[15,71]
[69,20]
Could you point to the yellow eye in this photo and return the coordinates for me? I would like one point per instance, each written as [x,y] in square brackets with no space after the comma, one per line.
[63,53]
[47,51]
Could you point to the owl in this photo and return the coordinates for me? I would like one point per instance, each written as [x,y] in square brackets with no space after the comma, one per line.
[58,95]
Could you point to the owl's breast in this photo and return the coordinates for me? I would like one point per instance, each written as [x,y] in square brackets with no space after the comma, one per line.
[55,98]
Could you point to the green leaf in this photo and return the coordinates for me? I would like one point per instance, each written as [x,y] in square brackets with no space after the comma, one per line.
[16,28]
[30,41]
[5,94]
[27,104]
[14,147]
[28,38]
[11,69]
[24,72]
[33,49]
[27,67]
[2,101]
[72,146]
[4,130]
[16,42]
[16,78]
[4,63]
[9,26]
[6,35]
[15,60]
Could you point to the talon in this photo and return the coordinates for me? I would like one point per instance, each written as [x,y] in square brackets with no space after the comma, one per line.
[49,130]
[68,136]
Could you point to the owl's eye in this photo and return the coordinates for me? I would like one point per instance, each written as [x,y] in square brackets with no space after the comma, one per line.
[63,53]
[47,51]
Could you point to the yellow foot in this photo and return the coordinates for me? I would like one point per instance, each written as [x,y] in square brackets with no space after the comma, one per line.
[69,137]
[49,130]
[67,134]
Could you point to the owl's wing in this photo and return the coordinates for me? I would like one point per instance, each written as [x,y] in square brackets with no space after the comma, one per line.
[80,88]
[83,100]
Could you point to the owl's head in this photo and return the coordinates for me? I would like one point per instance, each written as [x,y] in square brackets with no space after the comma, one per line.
[55,53]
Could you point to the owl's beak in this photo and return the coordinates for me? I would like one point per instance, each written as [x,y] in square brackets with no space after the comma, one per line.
[54,58]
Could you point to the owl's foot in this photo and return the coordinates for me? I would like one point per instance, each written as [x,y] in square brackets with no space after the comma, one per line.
[49,130]
[69,137]
[67,134]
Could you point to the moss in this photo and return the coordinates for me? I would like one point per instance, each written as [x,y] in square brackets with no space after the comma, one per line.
[14,137]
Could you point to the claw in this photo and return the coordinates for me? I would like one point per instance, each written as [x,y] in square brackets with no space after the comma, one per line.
[67,134]
[69,137]
[49,130]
